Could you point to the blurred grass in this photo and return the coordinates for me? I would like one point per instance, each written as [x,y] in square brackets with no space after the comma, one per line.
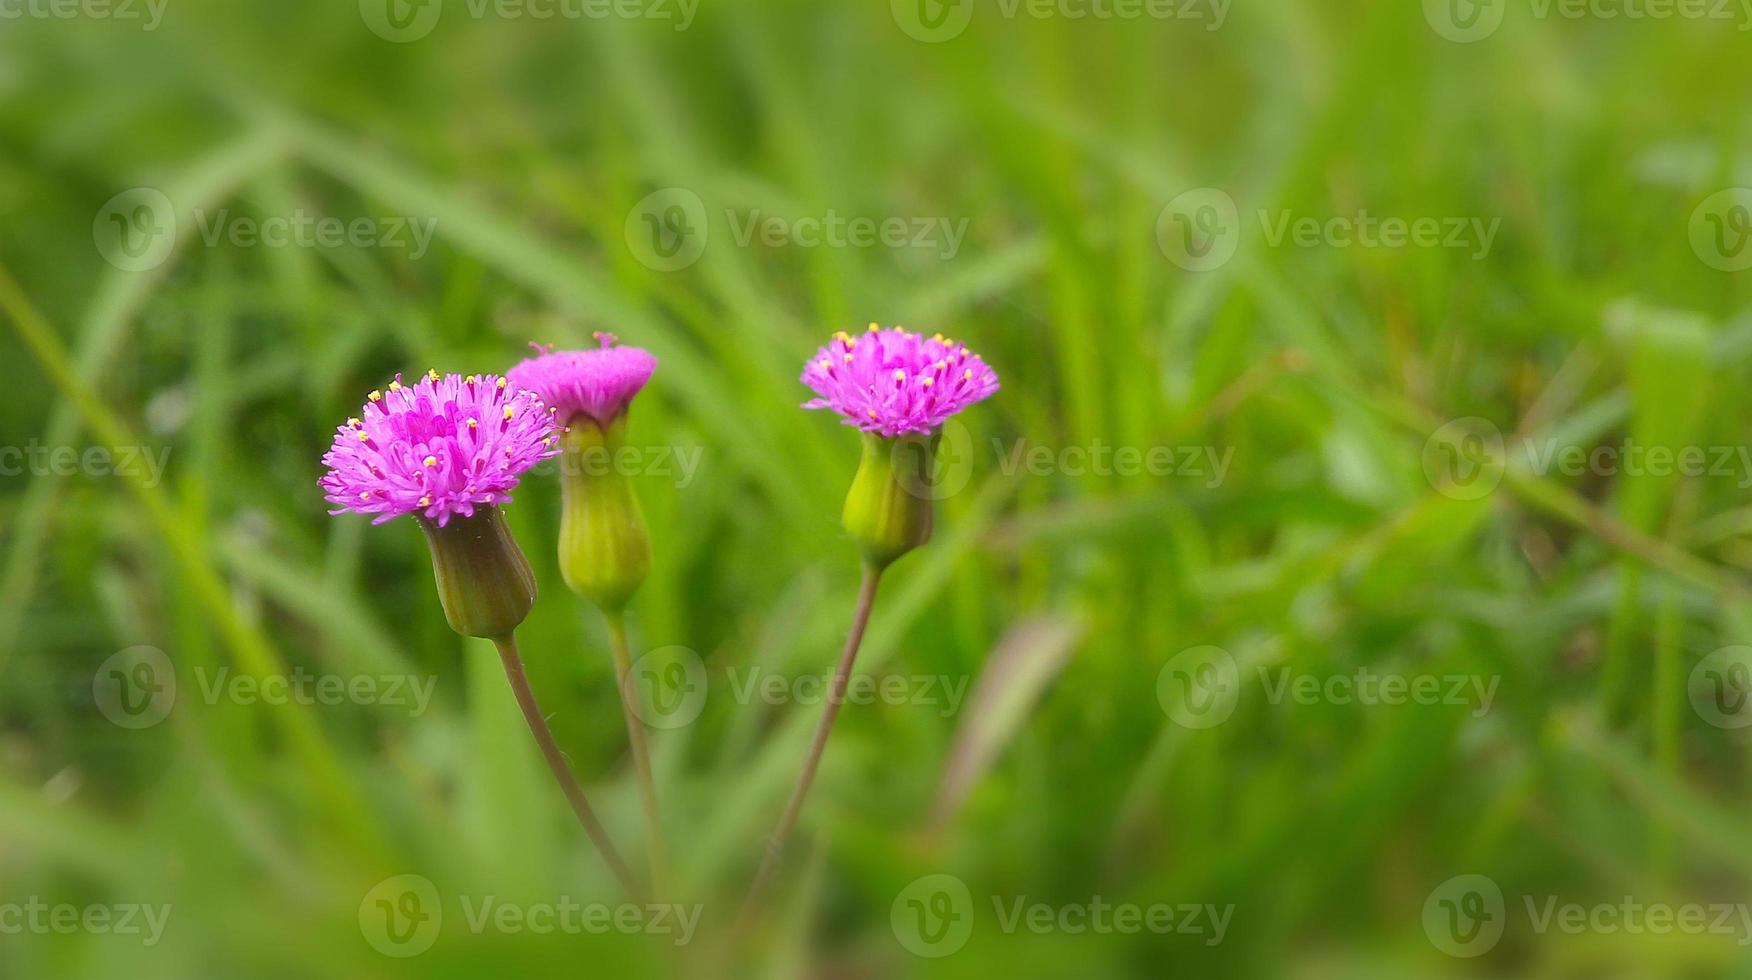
[1325,548]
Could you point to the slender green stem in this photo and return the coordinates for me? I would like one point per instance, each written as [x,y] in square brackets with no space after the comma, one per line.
[550,750]
[841,676]
[656,851]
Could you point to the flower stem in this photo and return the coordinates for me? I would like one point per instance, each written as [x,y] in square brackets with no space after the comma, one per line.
[842,675]
[656,851]
[550,750]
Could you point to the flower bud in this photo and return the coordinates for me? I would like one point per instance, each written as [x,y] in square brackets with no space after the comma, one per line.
[484,582]
[605,550]
[886,510]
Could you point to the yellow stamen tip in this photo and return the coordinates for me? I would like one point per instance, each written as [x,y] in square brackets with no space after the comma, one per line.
[501,383]
[375,396]
[471,423]
[509,413]
[431,461]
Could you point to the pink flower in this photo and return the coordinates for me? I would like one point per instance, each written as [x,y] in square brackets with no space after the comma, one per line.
[598,383]
[895,381]
[439,447]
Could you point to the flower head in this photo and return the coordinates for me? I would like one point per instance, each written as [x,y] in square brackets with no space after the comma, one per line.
[596,383]
[438,448]
[892,382]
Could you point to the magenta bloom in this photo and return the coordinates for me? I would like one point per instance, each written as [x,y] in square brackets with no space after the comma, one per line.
[895,381]
[598,383]
[439,447]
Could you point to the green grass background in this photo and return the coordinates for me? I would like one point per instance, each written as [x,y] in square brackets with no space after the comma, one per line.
[1325,548]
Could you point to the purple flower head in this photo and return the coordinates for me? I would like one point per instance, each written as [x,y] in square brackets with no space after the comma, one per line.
[598,383]
[438,448]
[895,381]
